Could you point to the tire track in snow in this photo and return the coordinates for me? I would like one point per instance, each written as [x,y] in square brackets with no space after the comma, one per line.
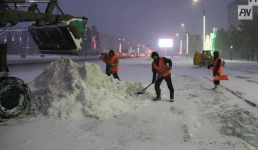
[237,95]
[180,111]
[234,120]
[186,135]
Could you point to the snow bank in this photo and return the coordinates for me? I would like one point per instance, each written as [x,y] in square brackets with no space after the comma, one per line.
[68,91]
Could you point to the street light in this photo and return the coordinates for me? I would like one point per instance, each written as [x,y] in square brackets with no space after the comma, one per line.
[183,25]
[120,45]
[231,51]
[196,1]
[180,52]
[181,45]
[138,48]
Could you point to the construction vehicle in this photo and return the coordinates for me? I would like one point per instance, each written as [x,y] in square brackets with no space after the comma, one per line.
[53,34]
[204,59]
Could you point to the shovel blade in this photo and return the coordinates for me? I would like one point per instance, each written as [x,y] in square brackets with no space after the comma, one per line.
[221,77]
[139,93]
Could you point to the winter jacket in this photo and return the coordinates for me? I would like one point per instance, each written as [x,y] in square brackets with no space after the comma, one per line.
[112,62]
[217,66]
[160,66]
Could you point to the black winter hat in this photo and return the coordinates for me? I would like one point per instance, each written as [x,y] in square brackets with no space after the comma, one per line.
[154,54]
[216,54]
[111,52]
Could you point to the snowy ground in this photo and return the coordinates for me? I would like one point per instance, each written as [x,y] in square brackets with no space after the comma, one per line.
[78,107]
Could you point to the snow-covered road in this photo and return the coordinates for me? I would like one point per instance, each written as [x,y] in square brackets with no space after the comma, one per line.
[198,119]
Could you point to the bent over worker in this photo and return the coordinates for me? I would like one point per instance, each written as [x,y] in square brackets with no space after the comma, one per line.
[162,66]
[112,61]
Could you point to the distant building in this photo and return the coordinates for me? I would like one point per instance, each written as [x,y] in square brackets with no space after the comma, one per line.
[232,10]
[19,41]
[107,42]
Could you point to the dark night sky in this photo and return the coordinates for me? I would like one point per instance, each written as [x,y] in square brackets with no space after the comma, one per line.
[145,21]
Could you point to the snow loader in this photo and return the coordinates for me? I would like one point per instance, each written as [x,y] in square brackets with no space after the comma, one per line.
[204,59]
[53,34]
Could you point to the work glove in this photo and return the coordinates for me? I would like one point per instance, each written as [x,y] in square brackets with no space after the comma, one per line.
[215,74]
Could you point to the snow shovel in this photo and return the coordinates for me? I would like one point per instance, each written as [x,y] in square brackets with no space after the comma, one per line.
[148,86]
[220,77]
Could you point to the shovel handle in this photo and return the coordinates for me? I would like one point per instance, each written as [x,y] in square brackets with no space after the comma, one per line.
[152,83]
[149,85]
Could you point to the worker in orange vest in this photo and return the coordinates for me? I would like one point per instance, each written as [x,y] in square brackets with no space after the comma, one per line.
[162,66]
[217,69]
[112,61]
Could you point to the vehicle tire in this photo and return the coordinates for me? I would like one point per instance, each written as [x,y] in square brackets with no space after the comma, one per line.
[202,64]
[15,97]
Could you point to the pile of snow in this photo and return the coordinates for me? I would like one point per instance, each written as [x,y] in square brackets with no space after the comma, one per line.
[68,91]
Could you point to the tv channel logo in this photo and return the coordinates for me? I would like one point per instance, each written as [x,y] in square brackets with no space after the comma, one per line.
[245,12]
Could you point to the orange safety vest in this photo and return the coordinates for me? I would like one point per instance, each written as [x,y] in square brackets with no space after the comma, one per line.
[215,65]
[162,69]
[111,61]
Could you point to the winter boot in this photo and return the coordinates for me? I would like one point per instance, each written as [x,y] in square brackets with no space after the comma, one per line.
[158,95]
[171,92]
[171,100]
[157,98]
[216,88]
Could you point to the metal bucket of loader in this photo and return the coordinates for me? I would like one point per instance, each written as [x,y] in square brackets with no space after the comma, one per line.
[62,38]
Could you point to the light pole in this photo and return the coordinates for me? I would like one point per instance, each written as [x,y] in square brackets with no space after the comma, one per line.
[181,44]
[196,1]
[183,25]
[138,48]
[231,51]
[120,45]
